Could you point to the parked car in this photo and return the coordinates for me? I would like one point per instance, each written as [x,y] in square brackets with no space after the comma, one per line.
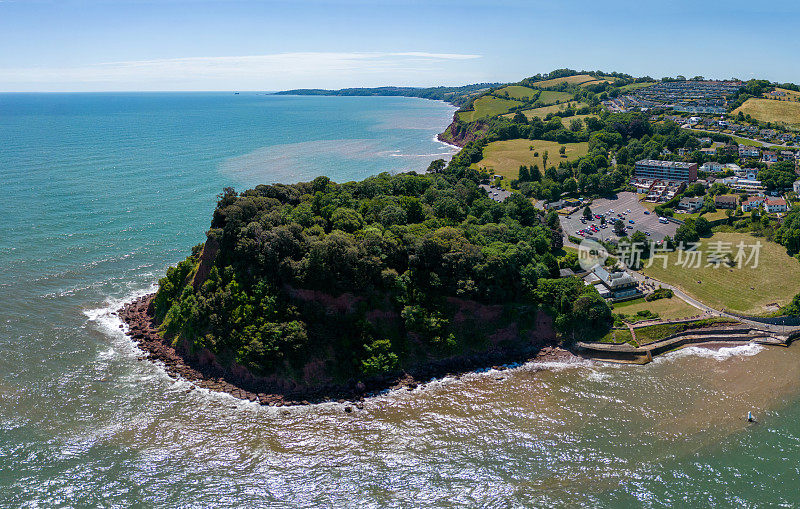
[647,212]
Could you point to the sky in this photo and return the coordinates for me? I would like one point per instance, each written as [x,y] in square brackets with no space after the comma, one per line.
[147,45]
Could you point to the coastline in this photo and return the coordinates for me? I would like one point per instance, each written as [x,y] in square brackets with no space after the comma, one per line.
[142,330]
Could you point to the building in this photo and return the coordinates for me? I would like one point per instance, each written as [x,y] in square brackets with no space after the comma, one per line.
[772,205]
[770,157]
[726,201]
[749,185]
[753,202]
[712,167]
[747,151]
[612,285]
[691,204]
[796,186]
[664,190]
[666,170]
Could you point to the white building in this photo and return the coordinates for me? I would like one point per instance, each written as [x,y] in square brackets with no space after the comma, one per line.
[775,205]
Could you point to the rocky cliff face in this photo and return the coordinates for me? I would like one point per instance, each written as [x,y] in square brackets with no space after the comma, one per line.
[500,337]
[459,133]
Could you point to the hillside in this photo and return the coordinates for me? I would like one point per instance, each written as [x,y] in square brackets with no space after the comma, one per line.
[313,285]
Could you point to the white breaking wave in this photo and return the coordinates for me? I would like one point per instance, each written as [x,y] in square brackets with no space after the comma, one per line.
[720,354]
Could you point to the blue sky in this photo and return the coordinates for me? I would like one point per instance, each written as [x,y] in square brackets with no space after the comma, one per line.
[97,45]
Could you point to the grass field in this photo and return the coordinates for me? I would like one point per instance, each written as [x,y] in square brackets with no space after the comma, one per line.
[487,106]
[505,157]
[790,94]
[747,290]
[517,92]
[618,336]
[554,108]
[552,97]
[667,309]
[745,141]
[634,86]
[575,80]
[598,81]
[768,110]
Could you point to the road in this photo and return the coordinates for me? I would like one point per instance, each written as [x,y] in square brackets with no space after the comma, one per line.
[496,194]
[761,143]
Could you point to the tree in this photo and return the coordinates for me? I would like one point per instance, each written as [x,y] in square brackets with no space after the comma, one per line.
[702,226]
[619,228]
[524,174]
[562,150]
[587,213]
[436,166]
[575,125]
[544,160]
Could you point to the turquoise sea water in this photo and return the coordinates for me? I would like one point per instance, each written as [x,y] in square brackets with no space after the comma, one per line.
[103,191]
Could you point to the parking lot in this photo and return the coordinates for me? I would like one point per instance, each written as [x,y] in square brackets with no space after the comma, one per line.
[647,223]
[495,193]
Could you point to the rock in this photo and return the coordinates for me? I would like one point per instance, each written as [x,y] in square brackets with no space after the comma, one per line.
[348,409]
[360,387]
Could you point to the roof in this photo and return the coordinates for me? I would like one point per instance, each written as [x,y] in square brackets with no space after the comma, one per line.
[566,273]
[612,279]
[726,198]
[665,164]
[776,201]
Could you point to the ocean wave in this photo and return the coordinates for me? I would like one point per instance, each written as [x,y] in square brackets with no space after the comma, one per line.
[720,354]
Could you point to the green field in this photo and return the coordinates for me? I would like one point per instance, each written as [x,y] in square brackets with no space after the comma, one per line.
[747,290]
[552,97]
[505,157]
[634,86]
[745,141]
[768,110]
[517,92]
[487,106]
[618,336]
[555,108]
[574,80]
[667,309]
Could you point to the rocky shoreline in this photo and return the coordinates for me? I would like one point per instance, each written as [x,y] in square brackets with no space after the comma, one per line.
[144,332]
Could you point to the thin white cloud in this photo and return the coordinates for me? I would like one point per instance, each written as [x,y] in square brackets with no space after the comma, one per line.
[263,72]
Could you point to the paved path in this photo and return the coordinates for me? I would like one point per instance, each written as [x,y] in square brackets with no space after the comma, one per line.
[780,329]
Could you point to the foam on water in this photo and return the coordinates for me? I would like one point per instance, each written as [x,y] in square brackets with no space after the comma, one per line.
[719,354]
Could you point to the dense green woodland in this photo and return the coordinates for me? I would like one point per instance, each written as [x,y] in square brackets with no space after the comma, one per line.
[411,246]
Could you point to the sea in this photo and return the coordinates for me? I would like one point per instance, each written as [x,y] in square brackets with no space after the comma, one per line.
[102,192]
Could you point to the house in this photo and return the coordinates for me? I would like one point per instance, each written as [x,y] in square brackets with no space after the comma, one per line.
[769,157]
[704,140]
[710,151]
[612,285]
[744,184]
[775,205]
[796,186]
[753,202]
[747,151]
[726,201]
[691,204]
[711,167]
[683,151]
[566,273]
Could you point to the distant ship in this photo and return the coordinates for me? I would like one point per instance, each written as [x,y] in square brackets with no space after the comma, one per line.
[236,93]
